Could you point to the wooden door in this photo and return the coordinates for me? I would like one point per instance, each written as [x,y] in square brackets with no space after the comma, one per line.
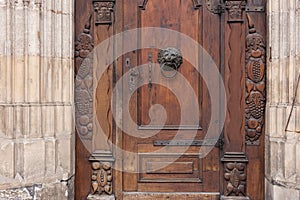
[180,102]
[167,162]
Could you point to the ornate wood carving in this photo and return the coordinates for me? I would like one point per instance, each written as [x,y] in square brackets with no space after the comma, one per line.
[84,83]
[235,10]
[255,84]
[234,80]
[235,164]
[235,176]
[101,180]
[104,11]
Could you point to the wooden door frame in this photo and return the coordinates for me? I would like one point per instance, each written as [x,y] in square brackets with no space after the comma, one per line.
[248,150]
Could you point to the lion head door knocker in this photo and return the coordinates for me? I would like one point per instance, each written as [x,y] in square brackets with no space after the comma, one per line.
[170,60]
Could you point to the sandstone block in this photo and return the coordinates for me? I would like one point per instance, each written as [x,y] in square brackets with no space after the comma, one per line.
[7,158]
[34,159]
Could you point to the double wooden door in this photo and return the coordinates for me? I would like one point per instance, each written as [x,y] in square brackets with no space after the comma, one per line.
[170,98]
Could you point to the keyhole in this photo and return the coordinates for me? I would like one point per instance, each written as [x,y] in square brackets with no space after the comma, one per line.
[127,62]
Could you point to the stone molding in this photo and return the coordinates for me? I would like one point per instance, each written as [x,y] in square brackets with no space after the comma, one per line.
[36,95]
[283,67]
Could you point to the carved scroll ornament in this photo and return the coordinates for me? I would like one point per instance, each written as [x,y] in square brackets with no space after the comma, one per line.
[255,85]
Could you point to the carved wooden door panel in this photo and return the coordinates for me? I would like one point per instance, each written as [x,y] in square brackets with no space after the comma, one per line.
[164,159]
[170,98]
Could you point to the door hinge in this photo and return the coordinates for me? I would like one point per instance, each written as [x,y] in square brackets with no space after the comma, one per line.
[255,9]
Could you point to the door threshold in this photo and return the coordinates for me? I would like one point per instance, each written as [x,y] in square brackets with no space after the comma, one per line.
[170,195]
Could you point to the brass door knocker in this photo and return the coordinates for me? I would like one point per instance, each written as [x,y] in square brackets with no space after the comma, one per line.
[169,59]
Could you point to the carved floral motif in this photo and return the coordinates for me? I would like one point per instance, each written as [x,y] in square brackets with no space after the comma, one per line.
[235,10]
[84,83]
[101,178]
[255,85]
[235,177]
[104,11]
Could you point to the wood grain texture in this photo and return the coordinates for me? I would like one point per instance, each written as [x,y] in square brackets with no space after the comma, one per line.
[224,38]
[183,17]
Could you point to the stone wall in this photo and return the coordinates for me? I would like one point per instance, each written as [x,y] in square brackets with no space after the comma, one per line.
[283,145]
[36,99]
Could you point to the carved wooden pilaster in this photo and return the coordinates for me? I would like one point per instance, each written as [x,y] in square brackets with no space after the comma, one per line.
[234,159]
[84,83]
[255,84]
[235,164]
[102,175]
[104,10]
[101,161]
[234,75]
